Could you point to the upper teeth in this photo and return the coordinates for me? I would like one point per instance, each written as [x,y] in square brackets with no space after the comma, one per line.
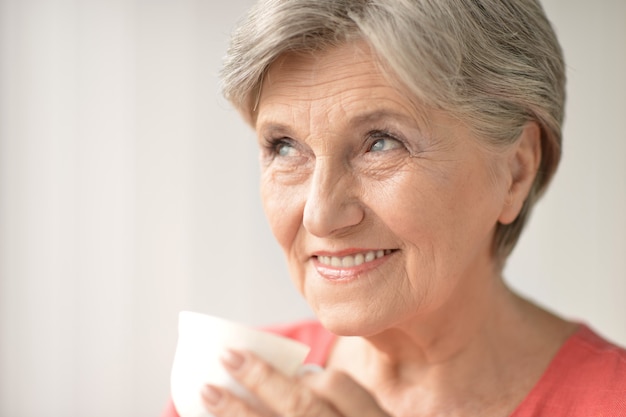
[353,260]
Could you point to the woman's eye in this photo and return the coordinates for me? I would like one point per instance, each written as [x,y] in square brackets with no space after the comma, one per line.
[385,144]
[280,147]
[284,148]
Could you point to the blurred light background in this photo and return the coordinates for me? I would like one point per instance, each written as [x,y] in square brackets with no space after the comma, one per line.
[128,192]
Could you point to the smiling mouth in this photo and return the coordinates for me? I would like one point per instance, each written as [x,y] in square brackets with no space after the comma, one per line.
[354,259]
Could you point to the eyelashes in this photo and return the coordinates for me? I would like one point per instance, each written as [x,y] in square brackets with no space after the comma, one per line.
[383,140]
[280,146]
[378,140]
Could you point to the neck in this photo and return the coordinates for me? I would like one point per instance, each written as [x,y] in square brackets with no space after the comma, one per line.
[468,319]
[482,343]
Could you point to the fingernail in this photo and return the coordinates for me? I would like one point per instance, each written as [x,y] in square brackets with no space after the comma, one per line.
[233,360]
[211,395]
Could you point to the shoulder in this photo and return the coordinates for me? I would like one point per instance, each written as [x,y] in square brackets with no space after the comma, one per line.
[311,333]
[586,377]
[588,356]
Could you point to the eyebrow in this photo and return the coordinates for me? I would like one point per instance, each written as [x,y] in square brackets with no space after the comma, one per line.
[275,128]
[366,117]
[384,114]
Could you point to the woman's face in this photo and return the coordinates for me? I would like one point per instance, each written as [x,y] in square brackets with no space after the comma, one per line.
[385,210]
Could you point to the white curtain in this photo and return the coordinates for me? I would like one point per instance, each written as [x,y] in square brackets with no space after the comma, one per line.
[128,192]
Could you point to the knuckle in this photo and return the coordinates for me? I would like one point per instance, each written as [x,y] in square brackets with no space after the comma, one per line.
[327,382]
[232,406]
[304,403]
[334,378]
[258,373]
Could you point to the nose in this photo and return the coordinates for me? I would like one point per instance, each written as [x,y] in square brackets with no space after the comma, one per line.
[333,204]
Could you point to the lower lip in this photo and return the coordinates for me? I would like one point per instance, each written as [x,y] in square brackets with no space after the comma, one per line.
[336,274]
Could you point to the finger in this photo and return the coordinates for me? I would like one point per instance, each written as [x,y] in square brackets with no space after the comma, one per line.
[344,393]
[221,403]
[284,395]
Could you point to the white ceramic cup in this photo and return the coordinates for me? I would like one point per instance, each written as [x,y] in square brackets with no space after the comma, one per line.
[202,341]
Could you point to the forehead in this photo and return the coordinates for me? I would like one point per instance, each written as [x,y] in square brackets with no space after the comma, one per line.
[343,81]
[315,68]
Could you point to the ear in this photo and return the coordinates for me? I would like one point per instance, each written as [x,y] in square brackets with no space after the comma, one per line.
[523,165]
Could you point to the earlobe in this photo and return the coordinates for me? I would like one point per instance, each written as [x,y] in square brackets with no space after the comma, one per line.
[523,165]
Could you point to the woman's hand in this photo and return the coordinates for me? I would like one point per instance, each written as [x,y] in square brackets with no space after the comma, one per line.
[325,394]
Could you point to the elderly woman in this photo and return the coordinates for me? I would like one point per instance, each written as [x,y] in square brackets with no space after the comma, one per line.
[403,144]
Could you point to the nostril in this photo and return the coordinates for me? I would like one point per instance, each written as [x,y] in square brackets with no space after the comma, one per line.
[327,219]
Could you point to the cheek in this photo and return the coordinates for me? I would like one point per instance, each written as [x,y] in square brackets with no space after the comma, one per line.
[436,217]
[283,209]
[410,207]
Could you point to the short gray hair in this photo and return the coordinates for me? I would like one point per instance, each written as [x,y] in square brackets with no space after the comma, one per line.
[496,64]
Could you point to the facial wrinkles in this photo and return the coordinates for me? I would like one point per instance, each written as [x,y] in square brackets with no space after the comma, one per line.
[326,103]
[410,201]
[322,79]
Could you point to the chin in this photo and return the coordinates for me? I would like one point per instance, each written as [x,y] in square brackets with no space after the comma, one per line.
[344,322]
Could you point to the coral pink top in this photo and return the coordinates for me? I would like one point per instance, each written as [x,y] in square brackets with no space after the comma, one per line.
[586,378]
